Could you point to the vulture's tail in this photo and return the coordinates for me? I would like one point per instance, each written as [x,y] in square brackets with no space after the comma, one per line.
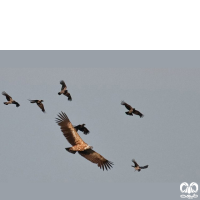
[70,151]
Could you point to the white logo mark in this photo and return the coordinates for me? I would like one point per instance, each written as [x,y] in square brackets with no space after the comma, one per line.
[190,189]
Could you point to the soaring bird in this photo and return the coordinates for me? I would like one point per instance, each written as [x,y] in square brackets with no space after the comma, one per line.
[39,103]
[78,145]
[81,127]
[137,167]
[10,100]
[64,90]
[131,110]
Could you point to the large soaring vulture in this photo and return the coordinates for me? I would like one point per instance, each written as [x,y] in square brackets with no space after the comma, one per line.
[81,127]
[137,167]
[10,100]
[39,103]
[131,110]
[64,90]
[78,144]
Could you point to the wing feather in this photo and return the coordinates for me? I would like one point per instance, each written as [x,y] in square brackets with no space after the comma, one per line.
[96,158]
[9,98]
[126,105]
[68,130]
[41,107]
[63,85]
[136,112]
[144,167]
[135,163]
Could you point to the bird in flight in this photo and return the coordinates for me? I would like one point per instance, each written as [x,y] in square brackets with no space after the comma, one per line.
[131,110]
[137,167]
[81,127]
[39,103]
[64,90]
[10,100]
[78,145]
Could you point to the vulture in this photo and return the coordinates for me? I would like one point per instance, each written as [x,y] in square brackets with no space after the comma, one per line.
[137,167]
[81,127]
[131,110]
[10,100]
[64,90]
[78,145]
[39,103]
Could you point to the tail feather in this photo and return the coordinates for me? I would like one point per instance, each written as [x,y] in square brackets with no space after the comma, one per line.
[70,151]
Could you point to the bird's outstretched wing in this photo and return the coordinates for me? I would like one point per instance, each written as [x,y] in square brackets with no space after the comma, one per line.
[33,101]
[136,112]
[68,130]
[63,85]
[144,167]
[16,103]
[66,93]
[9,98]
[41,107]
[126,105]
[96,158]
[135,163]
[85,131]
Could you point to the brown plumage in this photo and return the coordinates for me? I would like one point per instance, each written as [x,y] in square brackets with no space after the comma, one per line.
[137,167]
[39,103]
[78,144]
[131,110]
[10,100]
[64,90]
[81,127]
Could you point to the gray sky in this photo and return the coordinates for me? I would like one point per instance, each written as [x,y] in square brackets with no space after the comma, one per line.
[165,88]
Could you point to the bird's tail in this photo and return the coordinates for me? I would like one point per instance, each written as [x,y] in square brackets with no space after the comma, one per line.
[128,113]
[70,151]
[59,93]
[6,103]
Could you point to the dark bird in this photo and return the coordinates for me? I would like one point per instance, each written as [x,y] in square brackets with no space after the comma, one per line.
[10,100]
[81,127]
[64,90]
[131,110]
[39,103]
[137,167]
[78,145]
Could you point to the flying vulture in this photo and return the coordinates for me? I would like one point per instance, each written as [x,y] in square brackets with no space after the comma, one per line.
[131,110]
[39,103]
[78,144]
[81,127]
[10,100]
[64,90]
[137,167]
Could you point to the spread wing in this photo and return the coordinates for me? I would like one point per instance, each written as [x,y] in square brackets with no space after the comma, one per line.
[66,93]
[68,130]
[96,158]
[9,98]
[41,107]
[33,101]
[16,103]
[85,131]
[146,166]
[135,163]
[126,105]
[136,112]
[63,85]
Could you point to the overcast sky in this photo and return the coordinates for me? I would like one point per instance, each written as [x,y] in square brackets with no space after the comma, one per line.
[163,85]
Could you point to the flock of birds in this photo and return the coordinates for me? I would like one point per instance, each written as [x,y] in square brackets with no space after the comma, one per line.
[70,131]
